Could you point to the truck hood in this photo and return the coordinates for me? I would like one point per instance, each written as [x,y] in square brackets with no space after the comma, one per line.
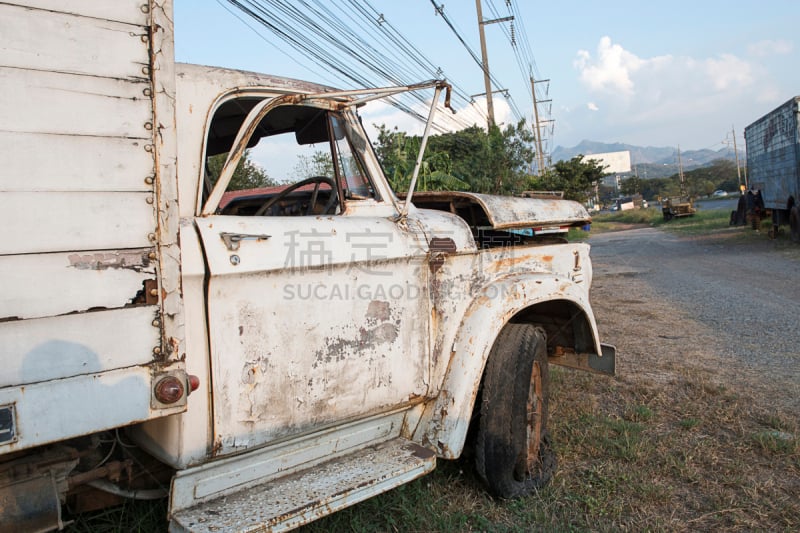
[507,212]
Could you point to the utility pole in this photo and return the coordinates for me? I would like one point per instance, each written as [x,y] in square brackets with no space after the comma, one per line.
[539,152]
[684,192]
[736,154]
[485,59]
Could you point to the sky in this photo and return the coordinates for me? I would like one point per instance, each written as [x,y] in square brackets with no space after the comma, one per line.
[680,73]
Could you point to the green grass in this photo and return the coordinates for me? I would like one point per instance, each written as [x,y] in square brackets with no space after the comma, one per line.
[132,516]
[681,454]
[701,222]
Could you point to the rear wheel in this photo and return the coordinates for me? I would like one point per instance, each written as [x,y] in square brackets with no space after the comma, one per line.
[794,223]
[513,452]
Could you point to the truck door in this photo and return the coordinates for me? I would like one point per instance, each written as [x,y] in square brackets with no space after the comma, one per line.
[317,299]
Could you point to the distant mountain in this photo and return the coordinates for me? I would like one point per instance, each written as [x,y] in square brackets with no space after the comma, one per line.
[651,161]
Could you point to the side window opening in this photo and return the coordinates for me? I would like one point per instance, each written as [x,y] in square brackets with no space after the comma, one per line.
[300,161]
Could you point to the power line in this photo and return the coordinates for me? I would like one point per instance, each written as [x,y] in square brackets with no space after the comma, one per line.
[371,58]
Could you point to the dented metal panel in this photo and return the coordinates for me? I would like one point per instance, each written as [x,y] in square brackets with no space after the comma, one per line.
[92,310]
[39,285]
[445,422]
[506,212]
[73,163]
[62,42]
[304,497]
[129,11]
[39,350]
[475,293]
[52,410]
[37,222]
[243,471]
[323,321]
[46,102]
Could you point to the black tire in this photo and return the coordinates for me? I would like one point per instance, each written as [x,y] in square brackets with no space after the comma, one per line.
[794,223]
[513,453]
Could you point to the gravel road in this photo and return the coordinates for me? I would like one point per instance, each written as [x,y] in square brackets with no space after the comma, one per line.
[733,307]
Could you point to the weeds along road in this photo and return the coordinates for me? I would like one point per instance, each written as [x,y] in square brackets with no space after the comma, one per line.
[733,302]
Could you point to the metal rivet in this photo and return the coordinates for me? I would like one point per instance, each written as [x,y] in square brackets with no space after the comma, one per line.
[151,236]
[147,92]
[149,180]
[151,256]
[156,323]
[149,200]
[145,8]
[153,292]
[157,350]
[235,260]
[148,125]
[146,71]
[148,147]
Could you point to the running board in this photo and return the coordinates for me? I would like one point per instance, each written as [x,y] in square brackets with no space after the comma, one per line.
[298,499]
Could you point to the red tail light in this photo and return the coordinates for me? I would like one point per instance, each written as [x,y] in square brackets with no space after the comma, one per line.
[169,390]
[194,383]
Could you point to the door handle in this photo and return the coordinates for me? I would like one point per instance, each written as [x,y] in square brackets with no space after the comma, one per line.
[232,240]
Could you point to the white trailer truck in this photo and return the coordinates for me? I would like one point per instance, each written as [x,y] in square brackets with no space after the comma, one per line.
[264,357]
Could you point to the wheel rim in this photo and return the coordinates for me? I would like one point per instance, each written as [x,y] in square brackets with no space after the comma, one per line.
[534,417]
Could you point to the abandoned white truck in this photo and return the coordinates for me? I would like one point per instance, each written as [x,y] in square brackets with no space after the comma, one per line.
[266,357]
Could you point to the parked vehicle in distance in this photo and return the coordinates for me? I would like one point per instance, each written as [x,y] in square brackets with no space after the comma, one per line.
[677,206]
[719,193]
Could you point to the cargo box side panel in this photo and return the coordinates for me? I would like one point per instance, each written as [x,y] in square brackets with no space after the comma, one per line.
[772,155]
[90,257]
[32,353]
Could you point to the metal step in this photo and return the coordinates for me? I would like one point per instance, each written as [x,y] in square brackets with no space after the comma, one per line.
[298,499]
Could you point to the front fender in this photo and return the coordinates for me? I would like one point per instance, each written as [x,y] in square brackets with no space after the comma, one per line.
[445,422]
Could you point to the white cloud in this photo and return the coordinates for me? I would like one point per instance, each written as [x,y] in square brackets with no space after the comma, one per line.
[664,100]
[728,71]
[613,68]
[769,47]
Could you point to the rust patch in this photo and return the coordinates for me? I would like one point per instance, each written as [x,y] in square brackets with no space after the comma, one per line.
[378,311]
[383,334]
[150,291]
[435,263]
[138,261]
[439,247]
[508,263]
[379,329]
[442,245]
[420,452]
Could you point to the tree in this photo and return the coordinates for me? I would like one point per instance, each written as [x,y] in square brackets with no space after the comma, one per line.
[247,175]
[576,177]
[319,163]
[630,186]
[398,154]
[470,159]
